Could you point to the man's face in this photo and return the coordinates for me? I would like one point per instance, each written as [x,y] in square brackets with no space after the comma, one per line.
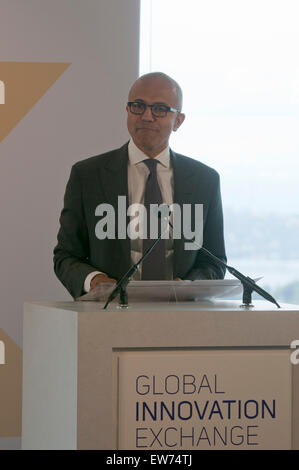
[149,133]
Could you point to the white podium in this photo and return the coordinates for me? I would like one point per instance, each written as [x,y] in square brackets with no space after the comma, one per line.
[160,376]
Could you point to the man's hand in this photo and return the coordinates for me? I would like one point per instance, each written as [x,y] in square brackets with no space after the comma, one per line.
[99,278]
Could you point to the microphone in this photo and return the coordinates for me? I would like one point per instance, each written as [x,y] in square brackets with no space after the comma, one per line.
[163,212]
[249,284]
[121,285]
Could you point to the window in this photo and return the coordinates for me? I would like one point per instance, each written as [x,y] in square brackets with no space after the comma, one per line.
[238,64]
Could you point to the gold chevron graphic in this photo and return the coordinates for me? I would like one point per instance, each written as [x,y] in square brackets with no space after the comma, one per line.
[10,387]
[22,85]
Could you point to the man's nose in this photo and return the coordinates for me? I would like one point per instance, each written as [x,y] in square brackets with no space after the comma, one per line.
[147,115]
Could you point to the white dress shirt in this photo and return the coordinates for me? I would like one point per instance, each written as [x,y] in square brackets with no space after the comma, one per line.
[137,176]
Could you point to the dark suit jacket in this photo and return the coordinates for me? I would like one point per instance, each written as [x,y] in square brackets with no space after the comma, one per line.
[101,179]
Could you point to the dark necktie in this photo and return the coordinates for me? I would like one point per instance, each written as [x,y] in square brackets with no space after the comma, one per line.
[153,267]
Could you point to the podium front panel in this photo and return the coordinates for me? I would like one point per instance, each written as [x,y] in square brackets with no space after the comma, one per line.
[204,399]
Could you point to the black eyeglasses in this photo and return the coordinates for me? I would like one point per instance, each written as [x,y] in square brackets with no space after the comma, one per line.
[157,109]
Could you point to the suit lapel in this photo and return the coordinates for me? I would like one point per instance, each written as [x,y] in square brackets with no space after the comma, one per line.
[183,182]
[114,179]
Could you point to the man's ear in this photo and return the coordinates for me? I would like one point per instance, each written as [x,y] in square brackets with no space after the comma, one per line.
[180,118]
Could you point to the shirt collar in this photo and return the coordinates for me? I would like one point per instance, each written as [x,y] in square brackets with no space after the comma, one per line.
[136,155]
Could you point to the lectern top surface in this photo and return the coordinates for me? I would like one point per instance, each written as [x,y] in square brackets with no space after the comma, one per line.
[156,324]
[215,306]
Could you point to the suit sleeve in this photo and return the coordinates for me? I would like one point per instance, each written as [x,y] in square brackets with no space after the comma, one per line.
[71,253]
[213,240]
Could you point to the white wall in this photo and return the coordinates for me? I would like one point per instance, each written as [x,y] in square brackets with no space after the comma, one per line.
[82,114]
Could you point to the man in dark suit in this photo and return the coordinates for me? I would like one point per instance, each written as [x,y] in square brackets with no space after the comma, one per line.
[83,259]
